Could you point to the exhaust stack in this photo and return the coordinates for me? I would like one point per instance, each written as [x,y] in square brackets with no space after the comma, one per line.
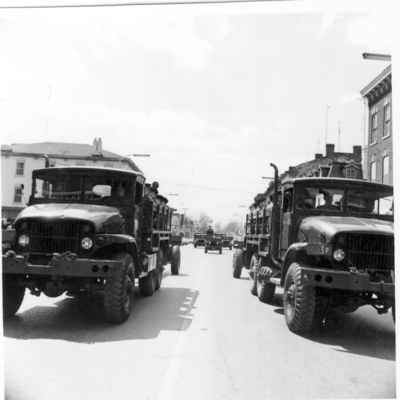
[275,223]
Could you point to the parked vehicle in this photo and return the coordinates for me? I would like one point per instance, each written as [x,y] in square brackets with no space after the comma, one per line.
[199,240]
[90,232]
[213,243]
[227,242]
[328,242]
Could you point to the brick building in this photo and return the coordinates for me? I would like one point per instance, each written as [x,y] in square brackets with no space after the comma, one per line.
[378,152]
[332,164]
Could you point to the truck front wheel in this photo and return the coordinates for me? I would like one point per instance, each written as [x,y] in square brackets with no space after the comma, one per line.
[301,305]
[175,260]
[13,295]
[118,291]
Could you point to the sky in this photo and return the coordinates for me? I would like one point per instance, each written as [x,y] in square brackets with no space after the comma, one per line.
[212,93]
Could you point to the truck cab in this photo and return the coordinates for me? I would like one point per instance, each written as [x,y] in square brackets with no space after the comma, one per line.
[90,232]
[327,241]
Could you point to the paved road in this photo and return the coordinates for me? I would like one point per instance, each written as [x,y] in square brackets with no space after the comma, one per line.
[202,336]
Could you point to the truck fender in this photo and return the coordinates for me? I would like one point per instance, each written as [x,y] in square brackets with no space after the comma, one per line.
[295,252]
[108,242]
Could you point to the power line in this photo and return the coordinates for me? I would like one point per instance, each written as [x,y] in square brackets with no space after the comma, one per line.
[134,3]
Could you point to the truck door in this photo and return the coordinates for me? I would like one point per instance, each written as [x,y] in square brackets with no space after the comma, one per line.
[286,220]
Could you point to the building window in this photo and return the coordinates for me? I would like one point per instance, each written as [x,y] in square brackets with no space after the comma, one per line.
[374,127]
[385,169]
[18,192]
[372,171]
[351,172]
[20,168]
[387,116]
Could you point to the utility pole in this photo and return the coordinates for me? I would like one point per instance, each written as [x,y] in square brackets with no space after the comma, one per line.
[326,123]
[339,133]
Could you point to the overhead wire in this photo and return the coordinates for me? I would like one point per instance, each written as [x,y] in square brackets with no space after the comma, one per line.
[132,3]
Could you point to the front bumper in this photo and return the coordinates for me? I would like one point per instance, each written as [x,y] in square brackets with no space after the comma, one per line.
[345,280]
[62,265]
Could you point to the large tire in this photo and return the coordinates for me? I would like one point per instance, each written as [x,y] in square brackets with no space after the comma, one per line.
[302,307]
[175,260]
[253,279]
[220,251]
[118,291]
[13,295]
[265,291]
[147,284]
[237,263]
[158,273]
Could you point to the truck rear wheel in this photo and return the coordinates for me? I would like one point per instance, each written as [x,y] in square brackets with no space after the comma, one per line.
[118,291]
[237,263]
[13,295]
[300,303]
[147,284]
[265,291]
[175,260]
[253,275]
[158,273]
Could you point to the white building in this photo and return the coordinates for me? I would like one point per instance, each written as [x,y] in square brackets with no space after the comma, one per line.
[19,160]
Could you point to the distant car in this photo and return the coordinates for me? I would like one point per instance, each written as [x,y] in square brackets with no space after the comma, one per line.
[199,240]
[237,243]
[213,243]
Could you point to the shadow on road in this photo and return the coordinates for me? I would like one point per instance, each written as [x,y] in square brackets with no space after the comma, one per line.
[363,332]
[168,309]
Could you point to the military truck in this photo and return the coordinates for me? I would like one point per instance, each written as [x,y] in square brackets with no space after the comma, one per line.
[91,232]
[328,242]
[199,239]
[213,243]
[227,241]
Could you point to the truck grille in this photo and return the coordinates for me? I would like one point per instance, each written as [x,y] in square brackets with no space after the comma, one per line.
[54,236]
[373,252]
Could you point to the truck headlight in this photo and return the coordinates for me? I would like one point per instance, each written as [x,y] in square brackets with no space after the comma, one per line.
[339,255]
[23,240]
[86,243]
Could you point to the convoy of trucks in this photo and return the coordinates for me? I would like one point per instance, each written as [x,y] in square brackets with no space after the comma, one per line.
[94,233]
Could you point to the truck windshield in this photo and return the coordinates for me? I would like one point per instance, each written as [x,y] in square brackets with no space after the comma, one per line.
[361,200]
[64,186]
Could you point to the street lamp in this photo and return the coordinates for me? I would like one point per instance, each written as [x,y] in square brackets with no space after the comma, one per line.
[377,56]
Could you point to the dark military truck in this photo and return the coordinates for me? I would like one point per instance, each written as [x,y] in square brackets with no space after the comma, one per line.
[199,239]
[214,243]
[227,242]
[328,242]
[90,232]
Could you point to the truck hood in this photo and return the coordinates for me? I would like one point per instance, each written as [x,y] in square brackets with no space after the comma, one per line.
[332,225]
[96,214]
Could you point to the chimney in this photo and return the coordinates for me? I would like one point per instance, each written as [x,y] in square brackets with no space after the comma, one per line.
[318,156]
[330,150]
[98,146]
[292,171]
[357,153]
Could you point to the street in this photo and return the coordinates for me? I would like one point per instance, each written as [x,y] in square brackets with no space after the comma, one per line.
[202,336]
